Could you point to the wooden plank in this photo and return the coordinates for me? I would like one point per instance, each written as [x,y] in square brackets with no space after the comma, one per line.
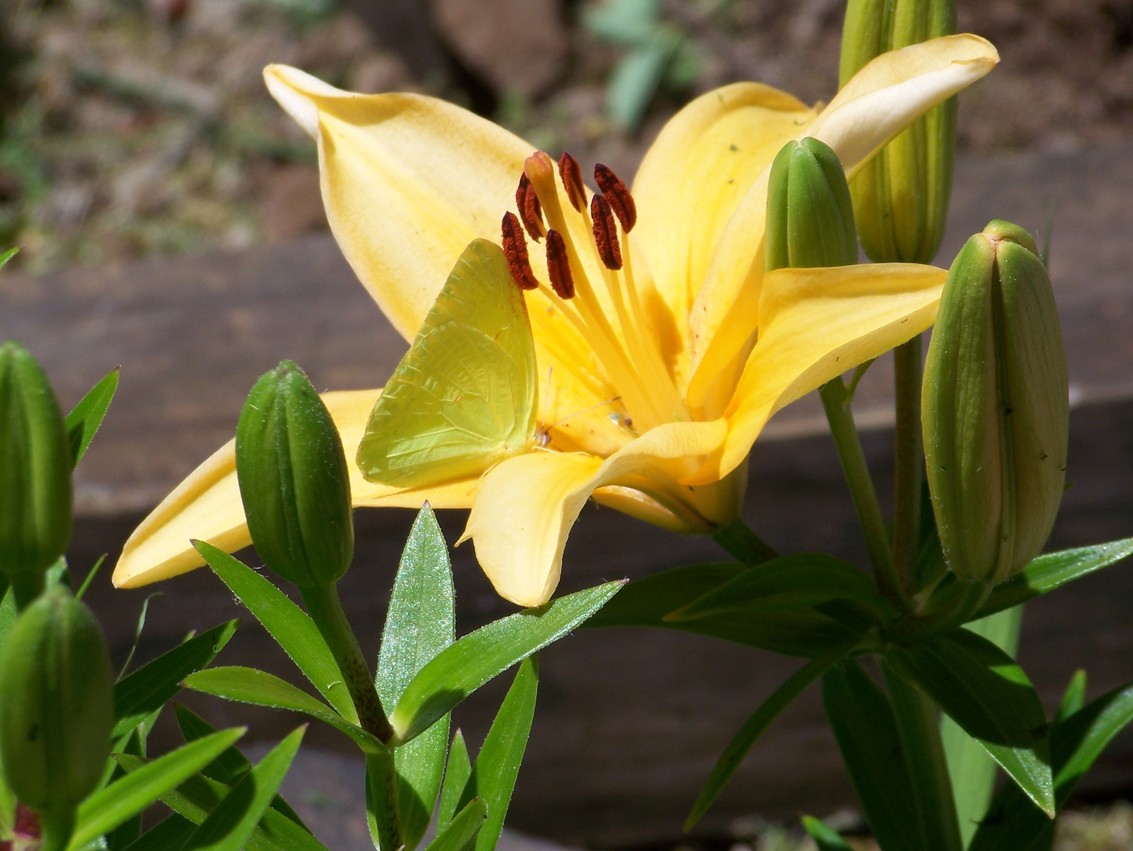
[629,721]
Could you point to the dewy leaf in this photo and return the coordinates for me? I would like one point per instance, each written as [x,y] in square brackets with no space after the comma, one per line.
[150,687]
[291,627]
[754,727]
[481,655]
[497,764]
[230,825]
[86,417]
[984,691]
[420,623]
[457,772]
[110,806]
[461,832]
[865,727]
[248,685]
[1053,570]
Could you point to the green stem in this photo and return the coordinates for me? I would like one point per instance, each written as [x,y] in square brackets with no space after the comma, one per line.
[919,727]
[381,801]
[326,611]
[907,456]
[739,540]
[836,402]
[57,826]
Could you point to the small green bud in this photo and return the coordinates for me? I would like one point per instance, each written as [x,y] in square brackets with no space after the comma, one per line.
[901,194]
[995,408]
[57,711]
[810,217]
[293,479]
[35,468]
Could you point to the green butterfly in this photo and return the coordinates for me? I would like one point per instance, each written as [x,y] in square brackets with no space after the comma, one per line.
[464,396]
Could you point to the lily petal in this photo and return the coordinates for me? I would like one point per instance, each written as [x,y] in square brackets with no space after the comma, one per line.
[880,100]
[407,180]
[526,505]
[206,505]
[814,324]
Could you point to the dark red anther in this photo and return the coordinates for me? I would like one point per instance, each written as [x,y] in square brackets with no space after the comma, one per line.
[605,232]
[515,251]
[618,194]
[558,265]
[571,175]
[530,210]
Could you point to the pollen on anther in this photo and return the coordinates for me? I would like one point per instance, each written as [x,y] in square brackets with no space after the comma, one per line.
[618,194]
[605,233]
[571,175]
[515,252]
[558,265]
[530,210]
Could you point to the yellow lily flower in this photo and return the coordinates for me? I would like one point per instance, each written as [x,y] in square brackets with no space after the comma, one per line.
[665,349]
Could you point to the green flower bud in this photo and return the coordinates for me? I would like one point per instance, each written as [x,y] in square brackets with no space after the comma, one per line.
[293,479]
[901,194]
[810,216]
[995,408]
[57,711]
[35,468]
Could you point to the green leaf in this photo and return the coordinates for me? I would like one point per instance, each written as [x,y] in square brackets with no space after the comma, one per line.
[627,22]
[112,805]
[791,582]
[824,836]
[229,826]
[865,727]
[1074,698]
[1054,570]
[481,655]
[231,765]
[86,417]
[460,833]
[970,766]
[7,255]
[197,796]
[985,692]
[420,623]
[149,688]
[291,627]
[646,602]
[457,772]
[248,685]
[754,727]
[635,80]
[497,764]
[172,832]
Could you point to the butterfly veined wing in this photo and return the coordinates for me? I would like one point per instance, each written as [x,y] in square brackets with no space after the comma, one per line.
[464,395]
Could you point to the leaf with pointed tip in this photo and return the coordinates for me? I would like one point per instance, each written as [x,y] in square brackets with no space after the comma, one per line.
[989,696]
[824,836]
[86,417]
[462,831]
[259,688]
[457,772]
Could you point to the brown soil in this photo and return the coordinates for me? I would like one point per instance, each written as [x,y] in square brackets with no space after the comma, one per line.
[135,128]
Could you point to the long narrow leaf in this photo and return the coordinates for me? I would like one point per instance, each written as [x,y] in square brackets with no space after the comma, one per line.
[461,832]
[86,417]
[824,836]
[481,655]
[230,825]
[865,727]
[420,623]
[291,627]
[248,685]
[497,764]
[646,601]
[984,691]
[754,727]
[150,687]
[457,772]
[170,834]
[110,806]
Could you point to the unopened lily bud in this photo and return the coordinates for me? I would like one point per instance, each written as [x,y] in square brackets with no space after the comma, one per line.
[810,217]
[57,710]
[293,479]
[901,194]
[35,467]
[995,408]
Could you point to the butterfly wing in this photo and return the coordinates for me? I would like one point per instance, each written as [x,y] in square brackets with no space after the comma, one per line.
[464,395]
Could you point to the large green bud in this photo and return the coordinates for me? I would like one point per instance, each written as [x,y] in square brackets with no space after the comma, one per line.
[35,469]
[901,194]
[995,408]
[293,479]
[57,710]
[810,216]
